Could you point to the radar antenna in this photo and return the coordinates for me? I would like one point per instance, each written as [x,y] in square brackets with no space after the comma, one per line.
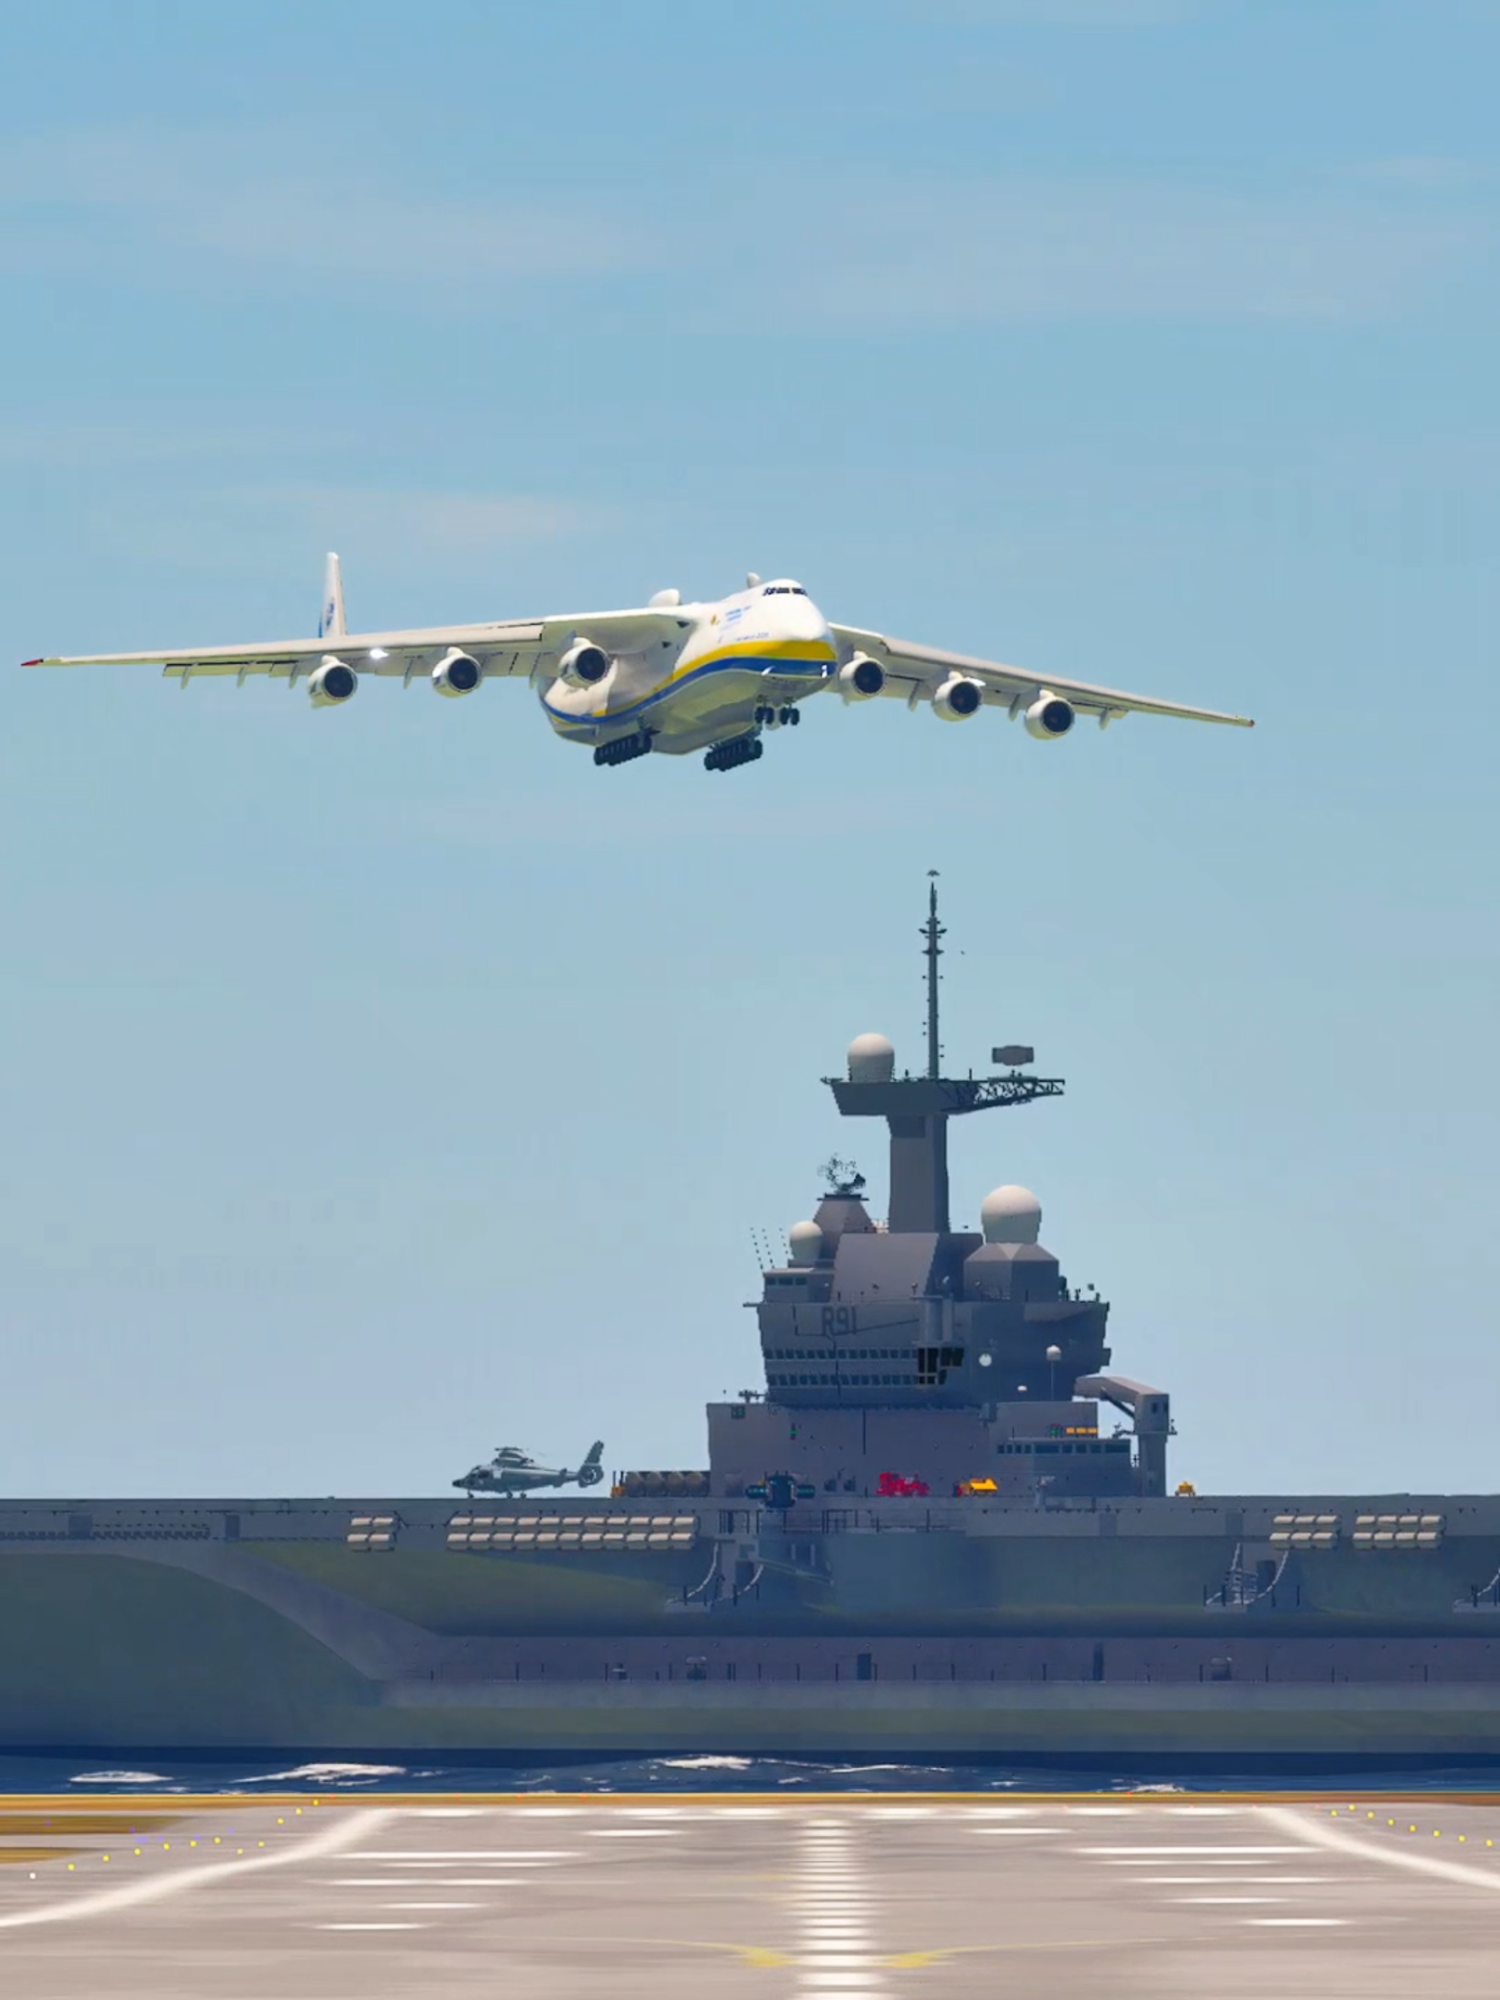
[933,932]
[917,1108]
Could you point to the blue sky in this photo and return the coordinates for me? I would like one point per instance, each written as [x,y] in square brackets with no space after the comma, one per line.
[382,1084]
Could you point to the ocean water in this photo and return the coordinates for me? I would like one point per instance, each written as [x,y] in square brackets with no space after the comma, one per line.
[79,1777]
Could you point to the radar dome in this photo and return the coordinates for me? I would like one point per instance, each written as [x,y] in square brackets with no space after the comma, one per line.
[872,1059]
[1010,1215]
[806,1242]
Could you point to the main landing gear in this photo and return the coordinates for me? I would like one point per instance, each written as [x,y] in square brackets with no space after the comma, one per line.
[772,718]
[738,750]
[623,749]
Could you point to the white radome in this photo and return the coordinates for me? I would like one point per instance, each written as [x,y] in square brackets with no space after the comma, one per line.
[872,1059]
[1010,1215]
[806,1242]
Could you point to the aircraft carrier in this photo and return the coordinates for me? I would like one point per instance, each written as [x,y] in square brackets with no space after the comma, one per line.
[946,1526]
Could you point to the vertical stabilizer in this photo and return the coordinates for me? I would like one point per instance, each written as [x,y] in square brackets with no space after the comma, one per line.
[331,623]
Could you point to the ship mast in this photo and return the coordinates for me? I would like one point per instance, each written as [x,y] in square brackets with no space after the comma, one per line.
[932,931]
[917,1109]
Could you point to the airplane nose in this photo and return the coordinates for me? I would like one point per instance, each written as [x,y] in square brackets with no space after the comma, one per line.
[807,621]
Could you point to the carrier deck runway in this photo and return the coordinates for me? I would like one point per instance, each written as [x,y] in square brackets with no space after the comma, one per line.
[831,1898]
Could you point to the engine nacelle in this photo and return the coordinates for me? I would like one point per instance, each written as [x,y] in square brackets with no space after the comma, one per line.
[861,679]
[331,683]
[583,665]
[457,673]
[1049,717]
[958,698]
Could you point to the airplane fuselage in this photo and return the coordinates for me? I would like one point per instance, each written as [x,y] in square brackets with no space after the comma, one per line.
[728,669]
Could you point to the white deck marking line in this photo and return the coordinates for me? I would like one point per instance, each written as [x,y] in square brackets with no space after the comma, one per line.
[344,1832]
[1201,1850]
[448,1882]
[1201,1881]
[1314,1834]
[1296,1923]
[834,1960]
[1022,1832]
[372,1927]
[1229,1899]
[437,1854]
[633,1832]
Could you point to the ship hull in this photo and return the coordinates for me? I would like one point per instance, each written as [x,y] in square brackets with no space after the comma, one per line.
[147,1627]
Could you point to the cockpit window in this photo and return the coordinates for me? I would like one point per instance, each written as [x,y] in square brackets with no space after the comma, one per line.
[783,590]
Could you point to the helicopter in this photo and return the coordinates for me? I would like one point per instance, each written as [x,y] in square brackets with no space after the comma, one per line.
[511,1470]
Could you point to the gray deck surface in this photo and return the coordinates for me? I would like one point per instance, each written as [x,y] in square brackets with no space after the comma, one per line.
[813,1900]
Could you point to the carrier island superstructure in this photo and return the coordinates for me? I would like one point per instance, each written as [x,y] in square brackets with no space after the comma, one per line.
[945,1527]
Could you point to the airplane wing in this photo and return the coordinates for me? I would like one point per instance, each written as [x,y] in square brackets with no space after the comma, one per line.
[515,647]
[915,671]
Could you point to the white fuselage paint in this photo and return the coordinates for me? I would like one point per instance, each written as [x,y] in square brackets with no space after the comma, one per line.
[765,647]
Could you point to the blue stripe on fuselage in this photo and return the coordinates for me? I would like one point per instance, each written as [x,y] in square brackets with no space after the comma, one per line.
[777,670]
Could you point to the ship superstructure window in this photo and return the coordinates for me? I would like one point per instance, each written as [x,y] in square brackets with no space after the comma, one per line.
[933,1364]
[847,1353]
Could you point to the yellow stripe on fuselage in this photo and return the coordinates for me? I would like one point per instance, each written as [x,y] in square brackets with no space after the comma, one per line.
[795,652]
[818,651]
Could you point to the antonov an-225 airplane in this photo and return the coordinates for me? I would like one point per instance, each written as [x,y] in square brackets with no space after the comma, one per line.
[669,677]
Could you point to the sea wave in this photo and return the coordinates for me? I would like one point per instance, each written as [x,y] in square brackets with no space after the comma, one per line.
[706,1763]
[118,1778]
[328,1774]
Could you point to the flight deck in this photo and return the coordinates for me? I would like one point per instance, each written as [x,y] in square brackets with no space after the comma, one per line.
[664,1897]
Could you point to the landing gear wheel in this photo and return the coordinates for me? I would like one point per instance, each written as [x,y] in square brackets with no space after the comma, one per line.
[624,749]
[738,750]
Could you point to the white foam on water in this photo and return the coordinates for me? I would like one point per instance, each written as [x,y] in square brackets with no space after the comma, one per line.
[328,1774]
[708,1763]
[119,1778]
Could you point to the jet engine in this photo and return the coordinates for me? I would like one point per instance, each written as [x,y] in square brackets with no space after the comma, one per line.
[958,698]
[457,673]
[1049,717]
[331,683]
[583,665]
[861,678]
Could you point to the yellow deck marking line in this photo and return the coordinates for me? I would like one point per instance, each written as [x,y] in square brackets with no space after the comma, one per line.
[59,1805]
[1315,1834]
[335,1838]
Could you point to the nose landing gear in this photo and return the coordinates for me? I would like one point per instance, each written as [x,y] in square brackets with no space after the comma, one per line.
[778,718]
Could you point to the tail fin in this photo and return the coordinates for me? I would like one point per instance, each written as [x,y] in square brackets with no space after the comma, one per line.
[331,623]
[596,1454]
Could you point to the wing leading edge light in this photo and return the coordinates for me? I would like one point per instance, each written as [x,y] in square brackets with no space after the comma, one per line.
[667,677]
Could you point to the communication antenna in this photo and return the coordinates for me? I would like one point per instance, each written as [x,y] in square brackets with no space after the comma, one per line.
[932,932]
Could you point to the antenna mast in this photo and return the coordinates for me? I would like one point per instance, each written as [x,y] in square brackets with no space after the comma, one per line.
[932,931]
